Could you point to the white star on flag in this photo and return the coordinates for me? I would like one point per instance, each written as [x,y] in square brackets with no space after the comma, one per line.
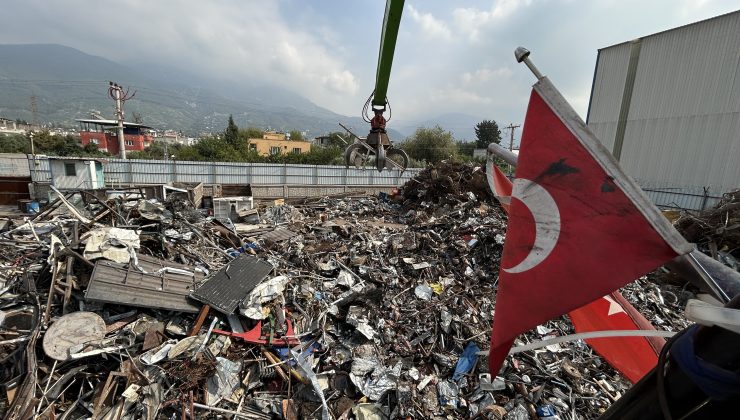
[614,307]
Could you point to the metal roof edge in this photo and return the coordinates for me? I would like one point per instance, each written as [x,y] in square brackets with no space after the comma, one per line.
[672,29]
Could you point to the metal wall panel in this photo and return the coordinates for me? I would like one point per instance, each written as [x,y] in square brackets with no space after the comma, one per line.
[14,164]
[231,173]
[330,175]
[299,174]
[142,172]
[683,126]
[81,179]
[606,97]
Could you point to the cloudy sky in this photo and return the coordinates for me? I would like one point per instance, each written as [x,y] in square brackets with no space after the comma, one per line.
[452,55]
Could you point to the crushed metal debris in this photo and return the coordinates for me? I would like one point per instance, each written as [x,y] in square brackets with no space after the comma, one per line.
[340,307]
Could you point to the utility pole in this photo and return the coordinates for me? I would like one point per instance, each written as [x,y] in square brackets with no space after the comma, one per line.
[511,127]
[115,91]
[34,111]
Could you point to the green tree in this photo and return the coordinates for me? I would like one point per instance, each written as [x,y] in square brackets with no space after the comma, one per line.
[90,149]
[466,148]
[15,143]
[250,133]
[431,145]
[296,135]
[231,134]
[487,132]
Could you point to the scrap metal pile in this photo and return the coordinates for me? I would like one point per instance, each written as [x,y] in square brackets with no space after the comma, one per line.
[366,308]
[716,231]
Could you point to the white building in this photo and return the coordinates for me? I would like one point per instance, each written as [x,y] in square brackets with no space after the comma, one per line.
[76,173]
[668,107]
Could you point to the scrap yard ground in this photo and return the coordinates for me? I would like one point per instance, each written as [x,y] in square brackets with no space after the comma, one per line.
[136,308]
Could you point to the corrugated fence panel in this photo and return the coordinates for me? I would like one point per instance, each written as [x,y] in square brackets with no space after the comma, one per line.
[231,173]
[193,172]
[330,175]
[275,180]
[158,172]
[299,174]
[14,164]
[359,176]
[117,172]
[267,173]
[135,171]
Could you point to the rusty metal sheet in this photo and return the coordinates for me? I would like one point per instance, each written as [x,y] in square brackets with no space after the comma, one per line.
[232,283]
[124,284]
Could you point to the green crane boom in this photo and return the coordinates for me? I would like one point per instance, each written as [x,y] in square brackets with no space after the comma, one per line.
[388,36]
[377,144]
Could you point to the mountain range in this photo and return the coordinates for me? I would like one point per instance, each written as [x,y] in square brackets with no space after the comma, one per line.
[67,84]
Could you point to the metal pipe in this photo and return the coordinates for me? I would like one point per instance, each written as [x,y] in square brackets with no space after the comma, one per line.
[522,55]
[503,153]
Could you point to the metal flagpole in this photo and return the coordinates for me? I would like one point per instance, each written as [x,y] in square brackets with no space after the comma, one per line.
[697,375]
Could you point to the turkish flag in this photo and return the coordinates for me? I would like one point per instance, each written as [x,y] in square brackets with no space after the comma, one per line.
[579,227]
[631,356]
[500,185]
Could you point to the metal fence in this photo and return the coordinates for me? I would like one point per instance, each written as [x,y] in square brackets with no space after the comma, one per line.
[122,172]
[119,172]
[681,198]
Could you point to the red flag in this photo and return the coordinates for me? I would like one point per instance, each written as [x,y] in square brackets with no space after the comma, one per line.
[579,228]
[631,356]
[500,185]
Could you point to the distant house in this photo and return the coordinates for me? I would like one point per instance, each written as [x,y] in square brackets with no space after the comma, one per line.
[329,141]
[104,134]
[8,126]
[274,143]
[174,137]
[70,173]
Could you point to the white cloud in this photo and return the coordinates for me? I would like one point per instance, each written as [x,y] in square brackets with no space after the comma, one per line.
[431,27]
[450,57]
[484,75]
[470,21]
[476,88]
[230,40]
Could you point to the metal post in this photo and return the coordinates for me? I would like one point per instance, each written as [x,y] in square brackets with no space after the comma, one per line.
[522,55]
[119,116]
[705,198]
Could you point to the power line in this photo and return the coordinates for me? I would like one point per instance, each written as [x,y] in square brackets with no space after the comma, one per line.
[23,81]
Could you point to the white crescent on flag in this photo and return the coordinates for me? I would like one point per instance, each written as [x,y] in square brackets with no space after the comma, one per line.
[546,218]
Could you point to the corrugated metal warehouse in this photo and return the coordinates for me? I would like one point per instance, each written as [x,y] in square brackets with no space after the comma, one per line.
[668,107]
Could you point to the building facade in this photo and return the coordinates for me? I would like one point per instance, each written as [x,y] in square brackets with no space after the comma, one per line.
[8,126]
[76,173]
[273,143]
[104,134]
[668,107]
